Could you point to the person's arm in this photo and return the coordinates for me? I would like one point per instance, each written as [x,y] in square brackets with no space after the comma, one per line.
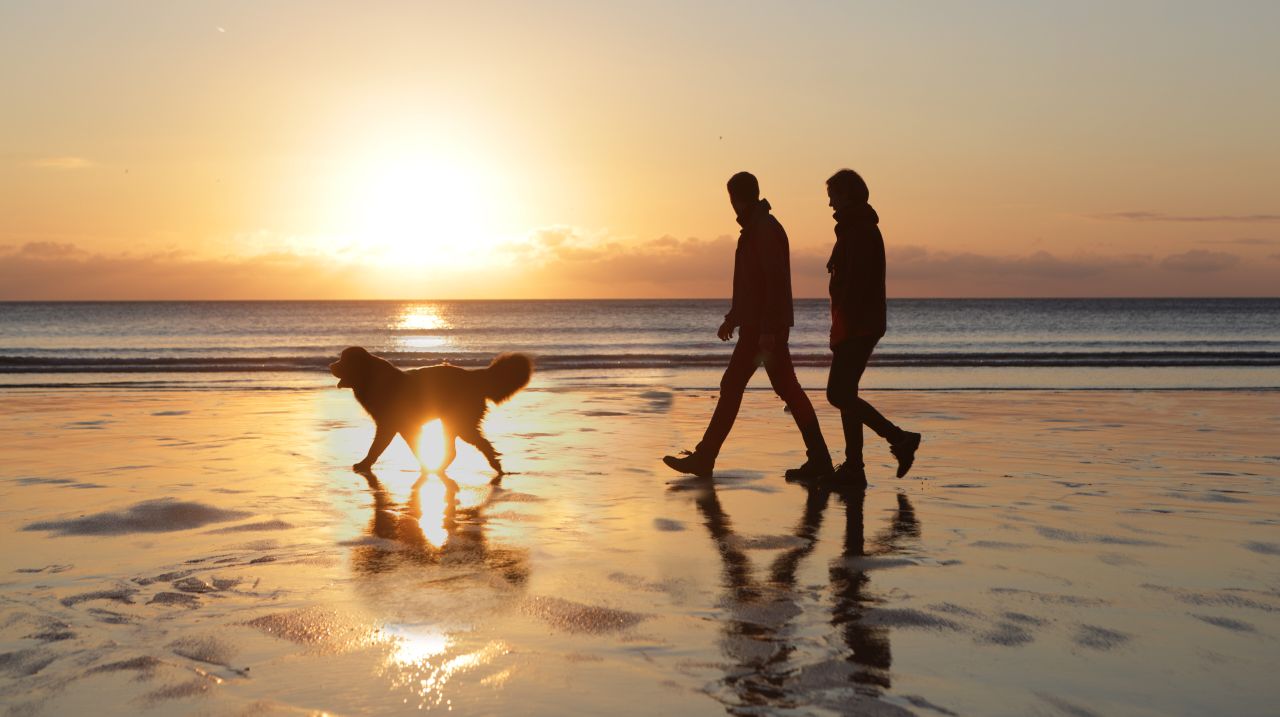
[866,285]
[731,319]
[772,256]
[851,285]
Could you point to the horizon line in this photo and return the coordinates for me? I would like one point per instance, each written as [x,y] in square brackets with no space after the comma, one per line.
[637,298]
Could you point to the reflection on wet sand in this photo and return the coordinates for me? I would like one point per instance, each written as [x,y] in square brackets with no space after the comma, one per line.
[435,530]
[759,636]
[439,576]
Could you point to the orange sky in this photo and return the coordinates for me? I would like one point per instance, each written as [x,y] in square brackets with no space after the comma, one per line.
[396,150]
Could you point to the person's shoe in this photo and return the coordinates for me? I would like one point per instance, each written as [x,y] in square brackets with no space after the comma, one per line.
[693,464]
[850,474]
[905,451]
[813,468]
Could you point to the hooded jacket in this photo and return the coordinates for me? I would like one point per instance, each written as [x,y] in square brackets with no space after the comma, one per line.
[857,275]
[761,274]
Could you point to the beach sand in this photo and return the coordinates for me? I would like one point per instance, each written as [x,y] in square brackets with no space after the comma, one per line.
[1056,553]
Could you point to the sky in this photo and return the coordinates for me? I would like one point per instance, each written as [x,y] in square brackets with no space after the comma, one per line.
[412,150]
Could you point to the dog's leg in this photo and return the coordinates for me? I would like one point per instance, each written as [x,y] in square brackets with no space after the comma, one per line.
[450,450]
[381,439]
[411,436]
[477,439]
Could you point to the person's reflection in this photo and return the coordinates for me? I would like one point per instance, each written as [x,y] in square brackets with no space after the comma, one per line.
[435,531]
[758,635]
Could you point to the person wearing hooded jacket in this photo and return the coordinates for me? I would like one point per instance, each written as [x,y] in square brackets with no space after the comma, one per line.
[858,322]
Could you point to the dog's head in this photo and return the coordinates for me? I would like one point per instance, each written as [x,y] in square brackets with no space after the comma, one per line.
[352,367]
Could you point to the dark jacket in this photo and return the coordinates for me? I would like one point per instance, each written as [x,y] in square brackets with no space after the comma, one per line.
[761,274]
[857,275]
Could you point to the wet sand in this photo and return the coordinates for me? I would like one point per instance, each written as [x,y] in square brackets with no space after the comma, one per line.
[1055,553]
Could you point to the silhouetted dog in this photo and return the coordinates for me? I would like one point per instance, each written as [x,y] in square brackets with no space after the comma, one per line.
[402,401]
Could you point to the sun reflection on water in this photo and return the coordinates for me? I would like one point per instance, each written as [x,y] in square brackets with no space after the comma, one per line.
[422,660]
[421,317]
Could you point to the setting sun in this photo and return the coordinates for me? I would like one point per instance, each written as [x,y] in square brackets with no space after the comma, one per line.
[421,208]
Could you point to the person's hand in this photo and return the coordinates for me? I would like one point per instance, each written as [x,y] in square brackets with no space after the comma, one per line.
[839,332]
[767,342]
[725,332]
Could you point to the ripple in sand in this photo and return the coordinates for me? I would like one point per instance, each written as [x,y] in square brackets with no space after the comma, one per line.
[768,542]
[247,527]
[1225,622]
[179,691]
[1118,560]
[55,631]
[51,569]
[1051,598]
[191,602]
[1069,536]
[667,525]
[315,627]
[1066,707]
[1232,598]
[1263,548]
[1099,638]
[145,667]
[193,585]
[1209,496]
[24,663]
[204,648]
[109,617]
[1005,634]
[121,595]
[575,617]
[999,545]
[908,617]
[153,516]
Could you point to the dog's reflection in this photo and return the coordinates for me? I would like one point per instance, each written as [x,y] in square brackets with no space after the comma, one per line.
[432,529]
[759,636]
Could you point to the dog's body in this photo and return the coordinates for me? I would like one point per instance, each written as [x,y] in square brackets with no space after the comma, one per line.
[402,401]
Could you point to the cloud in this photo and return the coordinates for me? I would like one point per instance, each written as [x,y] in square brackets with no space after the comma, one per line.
[564,262]
[681,267]
[49,250]
[1192,218]
[1247,241]
[58,271]
[919,263]
[61,163]
[1200,261]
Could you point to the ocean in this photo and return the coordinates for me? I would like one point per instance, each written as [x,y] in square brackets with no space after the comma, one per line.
[931,344]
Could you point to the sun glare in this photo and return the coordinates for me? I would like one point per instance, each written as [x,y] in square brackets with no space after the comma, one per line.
[423,209]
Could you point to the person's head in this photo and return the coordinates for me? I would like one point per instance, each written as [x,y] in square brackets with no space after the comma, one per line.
[846,189]
[744,192]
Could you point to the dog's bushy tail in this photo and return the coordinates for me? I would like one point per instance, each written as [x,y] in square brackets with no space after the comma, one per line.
[506,374]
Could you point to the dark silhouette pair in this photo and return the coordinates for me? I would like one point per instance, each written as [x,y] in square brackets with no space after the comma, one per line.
[759,636]
[762,311]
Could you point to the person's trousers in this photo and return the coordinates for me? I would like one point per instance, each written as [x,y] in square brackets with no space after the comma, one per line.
[747,356]
[847,365]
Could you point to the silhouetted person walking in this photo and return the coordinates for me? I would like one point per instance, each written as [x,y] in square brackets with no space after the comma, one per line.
[762,310]
[858,316]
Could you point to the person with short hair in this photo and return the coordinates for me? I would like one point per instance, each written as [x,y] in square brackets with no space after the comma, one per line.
[858,322]
[762,310]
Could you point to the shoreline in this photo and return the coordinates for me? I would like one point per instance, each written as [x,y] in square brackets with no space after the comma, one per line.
[1053,551]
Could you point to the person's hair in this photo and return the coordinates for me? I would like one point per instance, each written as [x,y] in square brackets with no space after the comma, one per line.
[848,183]
[744,185]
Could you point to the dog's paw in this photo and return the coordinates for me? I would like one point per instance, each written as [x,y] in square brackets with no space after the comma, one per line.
[362,467]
